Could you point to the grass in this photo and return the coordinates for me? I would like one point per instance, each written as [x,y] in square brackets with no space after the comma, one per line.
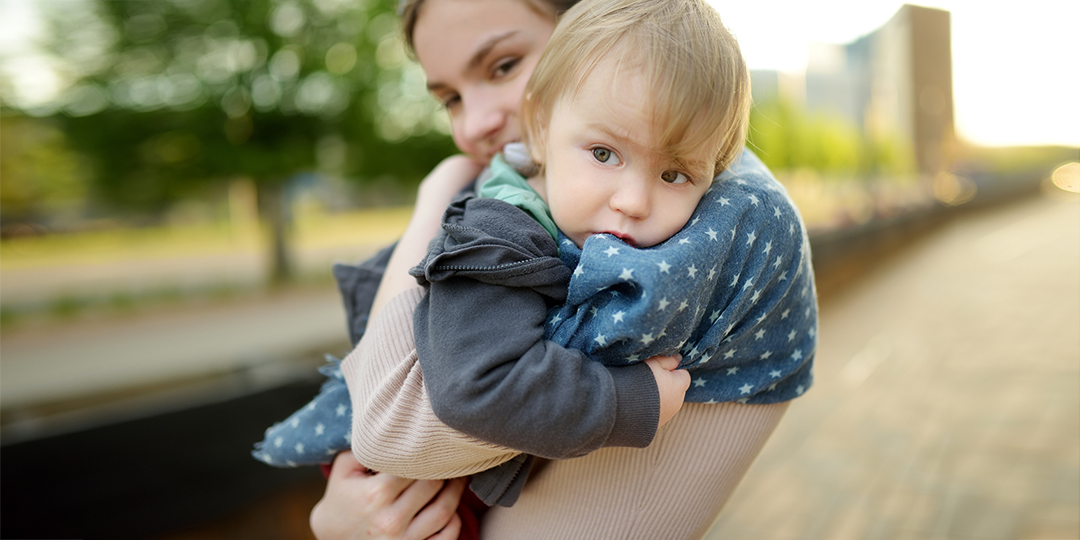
[350,234]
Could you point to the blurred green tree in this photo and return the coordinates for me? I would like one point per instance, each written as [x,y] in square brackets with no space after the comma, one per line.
[168,97]
[787,137]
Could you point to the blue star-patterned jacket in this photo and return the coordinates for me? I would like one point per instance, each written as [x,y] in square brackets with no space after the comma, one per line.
[733,292]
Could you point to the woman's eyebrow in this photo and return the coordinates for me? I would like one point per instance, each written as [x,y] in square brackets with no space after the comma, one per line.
[477,57]
[485,48]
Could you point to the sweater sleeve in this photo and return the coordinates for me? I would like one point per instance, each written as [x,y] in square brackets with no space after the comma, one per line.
[393,427]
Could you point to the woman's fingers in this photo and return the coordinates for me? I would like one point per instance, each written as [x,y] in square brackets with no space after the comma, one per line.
[439,519]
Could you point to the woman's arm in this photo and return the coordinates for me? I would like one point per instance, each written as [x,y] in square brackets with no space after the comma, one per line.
[435,194]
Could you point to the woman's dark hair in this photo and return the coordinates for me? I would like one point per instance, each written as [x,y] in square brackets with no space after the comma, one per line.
[409,11]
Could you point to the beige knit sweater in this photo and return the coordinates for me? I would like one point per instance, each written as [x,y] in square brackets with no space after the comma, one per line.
[672,490]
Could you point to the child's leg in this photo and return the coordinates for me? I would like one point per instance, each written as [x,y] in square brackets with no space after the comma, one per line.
[673,489]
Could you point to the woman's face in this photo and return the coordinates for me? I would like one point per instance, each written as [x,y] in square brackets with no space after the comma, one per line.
[478,55]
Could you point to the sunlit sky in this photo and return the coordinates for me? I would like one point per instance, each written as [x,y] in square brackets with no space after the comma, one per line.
[1015,75]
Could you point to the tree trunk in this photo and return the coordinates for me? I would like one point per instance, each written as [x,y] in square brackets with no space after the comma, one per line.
[274,207]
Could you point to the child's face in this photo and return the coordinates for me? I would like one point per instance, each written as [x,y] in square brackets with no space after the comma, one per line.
[604,172]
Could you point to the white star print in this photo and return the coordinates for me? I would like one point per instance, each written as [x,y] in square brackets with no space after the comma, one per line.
[295,422]
[734,280]
[791,336]
[556,319]
[319,430]
[663,304]
[579,271]
[611,251]
[723,201]
[627,274]
[768,247]
[340,410]
[683,305]
[278,442]
[800,389]
[729,355]
[745,389]
[791,228]
[776,212]
[797,355]
[712,272]
[694,352]
[617,316]
[705,358]
[778,261]
[692,271]
[749,283]
[699,383]
[664,267]
[647,338]
[765,355]
[783,276]
[299,448]
[750,237]
[715,315]
[753,200]
[568,241]
[601,339]
[712,234]
[760,334]
[696,219]
[732,370]
[772,387]
[684,240]
[762,318]
[756,295]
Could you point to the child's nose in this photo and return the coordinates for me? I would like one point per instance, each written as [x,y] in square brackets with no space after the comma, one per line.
[631,198]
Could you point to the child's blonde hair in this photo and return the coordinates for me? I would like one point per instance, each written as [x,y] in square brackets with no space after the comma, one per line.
[690,62]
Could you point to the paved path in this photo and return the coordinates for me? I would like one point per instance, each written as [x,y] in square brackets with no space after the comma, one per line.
[946,404]
[55,362]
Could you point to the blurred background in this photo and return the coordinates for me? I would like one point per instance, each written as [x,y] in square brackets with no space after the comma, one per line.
[178,176]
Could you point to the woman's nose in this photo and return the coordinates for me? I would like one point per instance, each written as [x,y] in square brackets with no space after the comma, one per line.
[483,121]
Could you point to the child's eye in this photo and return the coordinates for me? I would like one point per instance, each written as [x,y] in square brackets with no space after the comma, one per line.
[674,177]
[603,155]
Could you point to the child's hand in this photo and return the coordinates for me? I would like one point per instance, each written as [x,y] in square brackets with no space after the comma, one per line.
[672,383]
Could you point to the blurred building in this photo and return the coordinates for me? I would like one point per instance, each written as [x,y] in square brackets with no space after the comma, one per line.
[896,80]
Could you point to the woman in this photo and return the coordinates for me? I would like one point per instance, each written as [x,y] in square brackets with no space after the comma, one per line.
[478,54]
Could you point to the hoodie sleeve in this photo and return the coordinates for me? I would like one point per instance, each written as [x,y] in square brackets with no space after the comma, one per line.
[492,275]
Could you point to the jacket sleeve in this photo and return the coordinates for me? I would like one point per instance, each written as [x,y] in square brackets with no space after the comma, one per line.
[393,427]
[479,331]
[490,374]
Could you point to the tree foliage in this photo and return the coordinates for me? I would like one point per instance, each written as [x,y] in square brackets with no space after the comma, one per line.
[171,96]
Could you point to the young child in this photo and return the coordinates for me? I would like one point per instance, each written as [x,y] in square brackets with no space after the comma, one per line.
[633,110]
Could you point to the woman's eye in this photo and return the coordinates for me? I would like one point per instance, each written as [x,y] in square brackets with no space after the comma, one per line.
[449,101]
[603,155]
[674,177]
[504,67]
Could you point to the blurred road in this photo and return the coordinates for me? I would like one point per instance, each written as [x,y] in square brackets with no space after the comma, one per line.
[44,363]
[946,403]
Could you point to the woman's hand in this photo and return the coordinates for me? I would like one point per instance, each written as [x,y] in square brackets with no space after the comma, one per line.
[360,504]
[444,181]
[672,383]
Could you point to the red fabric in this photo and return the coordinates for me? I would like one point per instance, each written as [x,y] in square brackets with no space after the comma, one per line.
[471,509]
